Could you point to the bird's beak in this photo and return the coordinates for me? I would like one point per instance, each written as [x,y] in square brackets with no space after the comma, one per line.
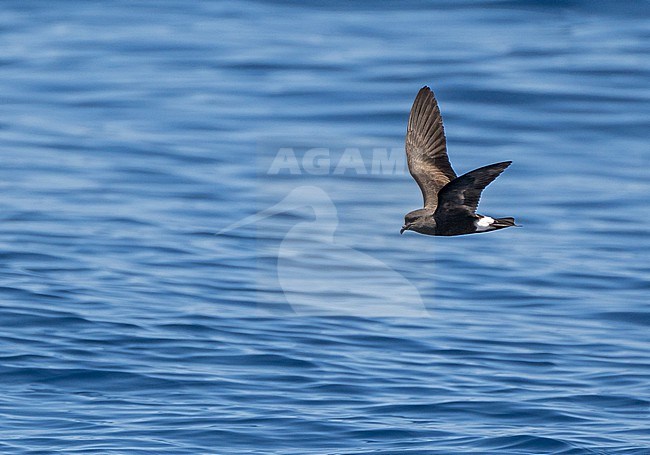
[404,228]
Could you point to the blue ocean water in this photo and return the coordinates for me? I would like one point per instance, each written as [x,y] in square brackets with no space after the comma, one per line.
[170,285]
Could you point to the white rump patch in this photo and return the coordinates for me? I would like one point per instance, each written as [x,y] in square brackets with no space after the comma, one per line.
[483,223]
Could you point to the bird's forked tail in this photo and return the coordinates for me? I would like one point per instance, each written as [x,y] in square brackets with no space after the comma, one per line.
[500,223]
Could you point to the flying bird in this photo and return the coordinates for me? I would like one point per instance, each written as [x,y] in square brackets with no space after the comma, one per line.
[450,202]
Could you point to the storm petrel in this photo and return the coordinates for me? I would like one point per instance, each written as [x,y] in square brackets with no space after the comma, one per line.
[449,201]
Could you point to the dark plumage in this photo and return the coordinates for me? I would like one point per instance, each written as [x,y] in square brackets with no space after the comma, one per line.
[450,202]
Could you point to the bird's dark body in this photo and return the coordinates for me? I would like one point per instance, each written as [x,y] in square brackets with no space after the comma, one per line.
[462,225]
[450,201]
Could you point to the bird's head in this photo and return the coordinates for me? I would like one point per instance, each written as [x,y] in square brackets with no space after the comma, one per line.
[421,221]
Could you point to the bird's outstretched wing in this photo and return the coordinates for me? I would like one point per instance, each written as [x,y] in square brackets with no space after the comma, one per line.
[463,193]
[426,147]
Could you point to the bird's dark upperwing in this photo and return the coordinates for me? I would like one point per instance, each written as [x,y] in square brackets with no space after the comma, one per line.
[426,147]
[463,193]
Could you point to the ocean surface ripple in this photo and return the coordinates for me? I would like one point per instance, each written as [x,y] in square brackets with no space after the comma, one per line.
[169,286]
